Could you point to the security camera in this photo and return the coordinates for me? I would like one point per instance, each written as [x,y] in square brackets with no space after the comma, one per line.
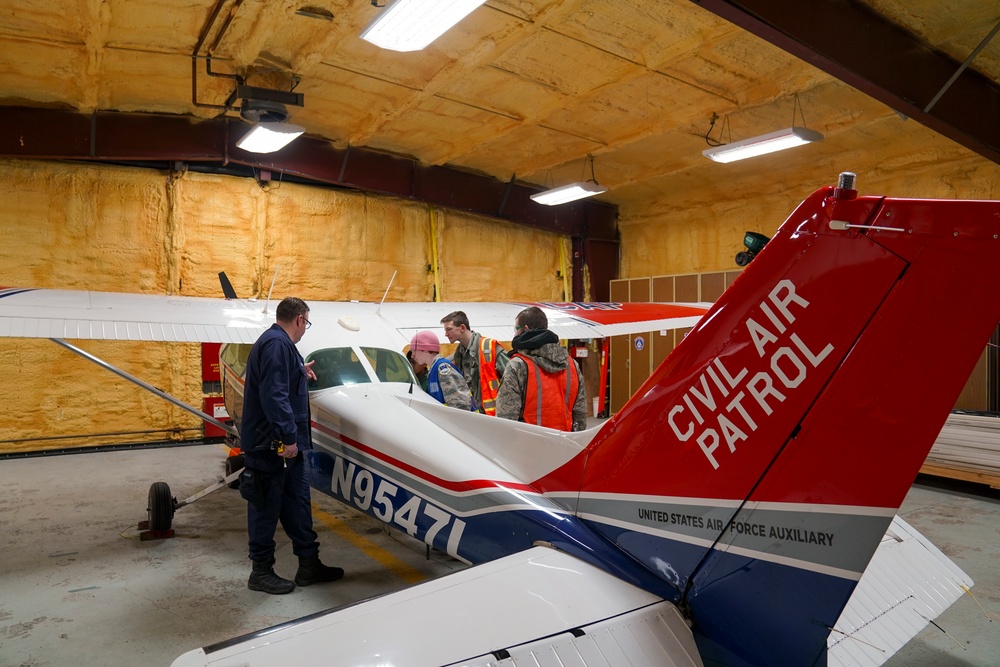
[754,243]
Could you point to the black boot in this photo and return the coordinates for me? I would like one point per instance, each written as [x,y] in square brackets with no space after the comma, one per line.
[264,579]
[312,571]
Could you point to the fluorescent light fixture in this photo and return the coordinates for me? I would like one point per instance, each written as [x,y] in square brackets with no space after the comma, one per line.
[568,193]
[410,25]
[765,143]
[269,137]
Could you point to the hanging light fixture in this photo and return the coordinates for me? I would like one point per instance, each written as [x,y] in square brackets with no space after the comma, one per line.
[790,137]
[270,132]
[269,137]
[410,25]
[766,143]
[266,109]
[567,193]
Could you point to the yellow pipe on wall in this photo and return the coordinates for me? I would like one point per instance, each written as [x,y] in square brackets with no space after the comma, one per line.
[567,296]
[434,256]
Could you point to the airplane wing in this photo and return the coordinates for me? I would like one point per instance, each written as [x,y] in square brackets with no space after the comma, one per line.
[568,320]
[77,314]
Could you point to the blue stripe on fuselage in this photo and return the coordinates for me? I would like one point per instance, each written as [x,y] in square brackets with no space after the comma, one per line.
[475,538]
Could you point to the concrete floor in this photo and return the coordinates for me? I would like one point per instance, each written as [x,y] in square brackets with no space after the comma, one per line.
[77,586]
[80,588]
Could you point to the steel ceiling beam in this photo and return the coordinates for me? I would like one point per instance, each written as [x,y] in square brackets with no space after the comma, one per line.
[142,138]
[867,51]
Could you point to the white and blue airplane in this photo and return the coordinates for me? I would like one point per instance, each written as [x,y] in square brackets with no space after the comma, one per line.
[725,516]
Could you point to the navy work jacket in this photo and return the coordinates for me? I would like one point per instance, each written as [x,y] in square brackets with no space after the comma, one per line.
[275,394]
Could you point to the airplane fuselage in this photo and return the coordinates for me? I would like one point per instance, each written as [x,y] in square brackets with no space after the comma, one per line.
[375,453]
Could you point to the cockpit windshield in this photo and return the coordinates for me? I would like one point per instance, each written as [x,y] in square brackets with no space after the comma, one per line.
[337,366]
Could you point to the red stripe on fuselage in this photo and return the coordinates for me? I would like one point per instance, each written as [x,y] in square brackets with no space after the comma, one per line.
[457,487]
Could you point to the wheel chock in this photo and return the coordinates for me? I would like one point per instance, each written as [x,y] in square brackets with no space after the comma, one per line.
[145,534]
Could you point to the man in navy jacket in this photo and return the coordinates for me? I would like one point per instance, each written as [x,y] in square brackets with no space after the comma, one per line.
[273,434]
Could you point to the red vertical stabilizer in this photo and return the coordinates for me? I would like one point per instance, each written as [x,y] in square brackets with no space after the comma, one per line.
[758,467]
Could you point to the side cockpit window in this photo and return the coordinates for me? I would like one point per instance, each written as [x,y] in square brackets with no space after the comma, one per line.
[234,358]
[235,355]
[389,365]
[336,366]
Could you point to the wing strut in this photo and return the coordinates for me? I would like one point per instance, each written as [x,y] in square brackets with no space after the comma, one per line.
[148,387]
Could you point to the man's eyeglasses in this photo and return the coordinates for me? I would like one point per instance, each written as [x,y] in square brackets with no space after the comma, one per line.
[521,328]
[308,323]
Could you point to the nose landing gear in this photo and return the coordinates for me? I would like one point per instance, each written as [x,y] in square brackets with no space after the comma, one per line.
[161,506]
[159,513]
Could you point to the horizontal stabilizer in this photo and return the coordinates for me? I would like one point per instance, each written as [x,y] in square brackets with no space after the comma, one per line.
[907,584]
[535,601]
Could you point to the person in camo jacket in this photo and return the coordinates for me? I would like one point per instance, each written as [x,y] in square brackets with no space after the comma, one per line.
[481,360]
[444,381]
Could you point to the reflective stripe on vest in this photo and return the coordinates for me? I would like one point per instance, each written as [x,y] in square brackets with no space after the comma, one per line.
[549,397]
[489,382]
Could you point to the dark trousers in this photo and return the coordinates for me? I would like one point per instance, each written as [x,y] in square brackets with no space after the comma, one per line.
[287,501]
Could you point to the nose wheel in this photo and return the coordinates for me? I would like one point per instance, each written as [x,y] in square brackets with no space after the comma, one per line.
[161,506]
[159,513]
[233,465]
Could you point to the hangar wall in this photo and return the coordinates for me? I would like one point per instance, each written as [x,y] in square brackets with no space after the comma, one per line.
[104,227]
[114,228]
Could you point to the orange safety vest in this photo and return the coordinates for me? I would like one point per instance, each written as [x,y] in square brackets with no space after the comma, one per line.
[549,397]
[489,382]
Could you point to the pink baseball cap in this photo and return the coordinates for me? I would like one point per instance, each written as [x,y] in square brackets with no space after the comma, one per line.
[425,340]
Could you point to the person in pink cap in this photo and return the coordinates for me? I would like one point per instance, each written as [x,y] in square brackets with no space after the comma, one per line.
[444,381]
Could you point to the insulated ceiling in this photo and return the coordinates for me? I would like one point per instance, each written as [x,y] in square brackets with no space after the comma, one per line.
[523,87]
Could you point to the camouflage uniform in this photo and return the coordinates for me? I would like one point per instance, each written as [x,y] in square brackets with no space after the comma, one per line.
[551,357]
[467,361]
[454,392]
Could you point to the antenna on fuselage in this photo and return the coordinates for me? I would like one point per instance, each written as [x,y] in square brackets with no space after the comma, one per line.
[378,310]
[276,267]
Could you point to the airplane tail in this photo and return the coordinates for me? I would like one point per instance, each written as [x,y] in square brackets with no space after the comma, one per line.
[759,466]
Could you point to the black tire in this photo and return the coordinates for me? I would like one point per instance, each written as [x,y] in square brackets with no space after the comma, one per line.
[160,510]
[234,463]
